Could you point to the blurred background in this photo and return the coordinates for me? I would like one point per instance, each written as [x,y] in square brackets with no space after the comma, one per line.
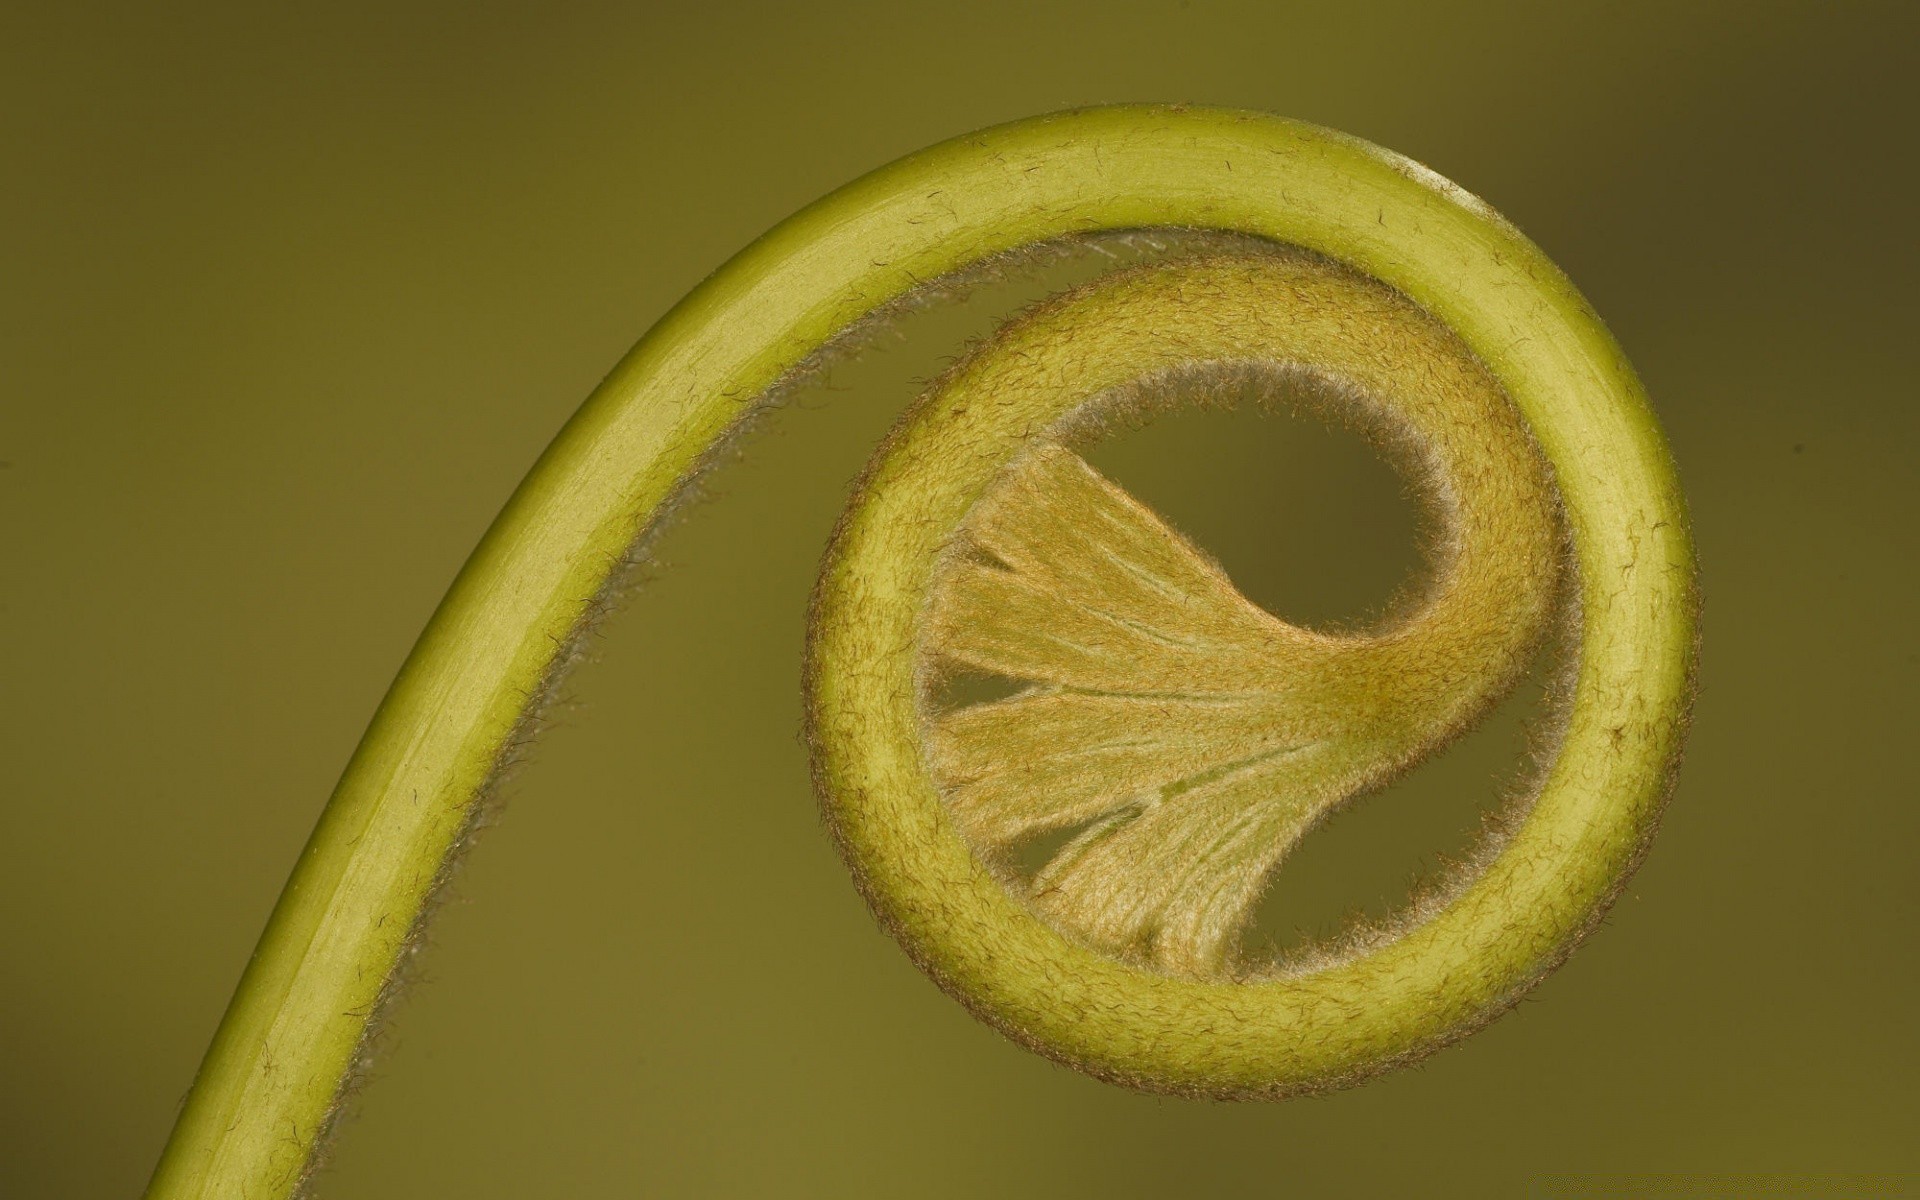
[293,295]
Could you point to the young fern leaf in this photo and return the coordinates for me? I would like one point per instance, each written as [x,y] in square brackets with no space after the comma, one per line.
[1196,736]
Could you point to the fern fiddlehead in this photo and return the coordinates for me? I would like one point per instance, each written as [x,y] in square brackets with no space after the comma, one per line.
[1195,737]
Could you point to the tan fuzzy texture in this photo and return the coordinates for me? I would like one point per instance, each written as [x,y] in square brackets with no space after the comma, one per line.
[1191,738]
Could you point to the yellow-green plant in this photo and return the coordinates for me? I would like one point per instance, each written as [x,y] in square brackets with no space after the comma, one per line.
[1191,737]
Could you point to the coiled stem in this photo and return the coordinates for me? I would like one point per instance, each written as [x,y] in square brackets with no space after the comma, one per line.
[273,1077]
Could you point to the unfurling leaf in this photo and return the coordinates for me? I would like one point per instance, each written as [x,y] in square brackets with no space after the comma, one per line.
[1190,736]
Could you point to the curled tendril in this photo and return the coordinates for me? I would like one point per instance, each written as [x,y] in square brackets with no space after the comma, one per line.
[1193,735]
[1193,738]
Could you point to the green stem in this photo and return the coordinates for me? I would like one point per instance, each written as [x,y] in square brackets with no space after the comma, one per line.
[273,1076]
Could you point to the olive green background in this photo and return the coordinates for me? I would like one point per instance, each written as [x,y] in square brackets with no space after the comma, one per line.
[289,300]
